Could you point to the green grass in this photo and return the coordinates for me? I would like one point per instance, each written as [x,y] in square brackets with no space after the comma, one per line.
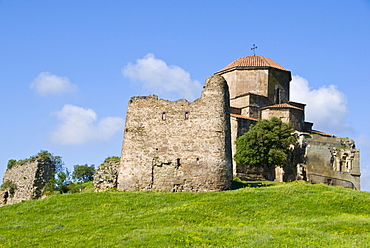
[284,215]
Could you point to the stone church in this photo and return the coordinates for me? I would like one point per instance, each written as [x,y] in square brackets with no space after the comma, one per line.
[259,89]
[188,146]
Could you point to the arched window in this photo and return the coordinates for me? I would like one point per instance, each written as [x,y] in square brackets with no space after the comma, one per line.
[163,116]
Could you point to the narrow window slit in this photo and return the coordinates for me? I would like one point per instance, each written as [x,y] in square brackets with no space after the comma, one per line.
[163,116]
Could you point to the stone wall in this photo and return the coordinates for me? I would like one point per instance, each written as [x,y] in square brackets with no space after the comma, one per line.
[178,146]
[332,160]
[28,178]
[106,175]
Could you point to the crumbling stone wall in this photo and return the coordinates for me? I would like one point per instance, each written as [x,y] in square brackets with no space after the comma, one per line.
[27,180]
[317,159]
[106,175]
[332,160]
[178,146]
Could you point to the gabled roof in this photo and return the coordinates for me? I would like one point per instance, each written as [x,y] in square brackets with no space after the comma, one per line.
[252,62]
[281,106]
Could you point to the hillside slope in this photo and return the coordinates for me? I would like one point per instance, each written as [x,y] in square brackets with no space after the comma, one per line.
[289,215]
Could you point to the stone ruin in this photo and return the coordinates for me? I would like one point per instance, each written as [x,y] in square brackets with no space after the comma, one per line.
[25,180]
[188,146]
[178,146]
[106,175]
[182,146]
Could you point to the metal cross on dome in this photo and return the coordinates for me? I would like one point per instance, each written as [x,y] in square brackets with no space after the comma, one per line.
[254,49]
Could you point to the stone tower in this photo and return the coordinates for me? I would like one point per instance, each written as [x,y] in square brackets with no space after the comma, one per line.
[178,146]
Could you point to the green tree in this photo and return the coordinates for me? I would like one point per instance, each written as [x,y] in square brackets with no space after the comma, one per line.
[47,156]
[83,173]
[266,145]
[59,182]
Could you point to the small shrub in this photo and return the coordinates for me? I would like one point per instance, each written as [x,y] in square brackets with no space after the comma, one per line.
[11,163]
[9,186]
[113,158]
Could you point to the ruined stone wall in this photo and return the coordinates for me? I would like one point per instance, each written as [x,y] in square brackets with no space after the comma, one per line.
[28,178]
[317,159]
[178,146]
[332,160]
[106,175]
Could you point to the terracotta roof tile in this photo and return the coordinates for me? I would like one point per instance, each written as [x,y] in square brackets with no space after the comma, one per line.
[244,117]
[281,105]
[251,62]
[320,133]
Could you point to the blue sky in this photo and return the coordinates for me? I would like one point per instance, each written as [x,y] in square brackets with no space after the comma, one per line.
[68,68]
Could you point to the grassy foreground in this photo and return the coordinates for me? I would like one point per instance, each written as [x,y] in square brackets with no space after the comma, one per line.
[288,215]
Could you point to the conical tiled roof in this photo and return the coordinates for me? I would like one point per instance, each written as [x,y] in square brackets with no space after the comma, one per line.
[252,62]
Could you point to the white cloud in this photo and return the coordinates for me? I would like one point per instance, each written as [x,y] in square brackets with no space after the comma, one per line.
[48,84]
[80,125]
[162,79]
[326,106]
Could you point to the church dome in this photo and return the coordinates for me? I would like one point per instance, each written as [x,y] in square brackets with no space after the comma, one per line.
[251,62]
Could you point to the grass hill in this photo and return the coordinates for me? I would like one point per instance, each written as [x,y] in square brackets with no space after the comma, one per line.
[287,215]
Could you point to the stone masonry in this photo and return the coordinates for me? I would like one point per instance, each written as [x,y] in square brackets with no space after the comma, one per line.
[178,146]
[26,180]
[106,175]
[331,160]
